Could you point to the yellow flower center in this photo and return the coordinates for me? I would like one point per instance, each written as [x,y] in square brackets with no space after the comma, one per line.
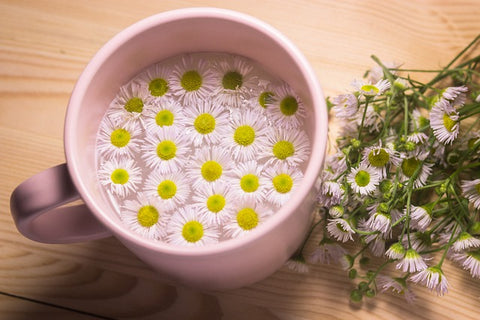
[409,166]
[204,123]
[191,81]
[282,183]
[120,138]
[247,219]
[369,89]
[211,170]
[119,176]
[166,150]
[164,118]
[216,203]
[167,189]
[283,149]
[249,183]
[448,122]
[147,216]
[265,98]
[135,104]
[288,106]
[378,158]
[362,178]
[158,87]
[244,135]
[232,80]
[192,231]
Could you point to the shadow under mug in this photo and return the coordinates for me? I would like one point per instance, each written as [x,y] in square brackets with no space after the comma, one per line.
[38,204]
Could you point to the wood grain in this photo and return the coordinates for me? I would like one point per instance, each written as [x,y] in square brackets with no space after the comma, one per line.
[44,45]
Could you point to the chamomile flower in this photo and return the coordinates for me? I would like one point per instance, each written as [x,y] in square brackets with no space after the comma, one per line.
[187,228]
[380,158]
[380,221]
[247,216]
[129,105]
[206,123]
[331,193]
[421,217]
[287,110]
[209,165]
[118,140]
[417,137]
[120,177]
[396,251]
[282,182]
[433,278]
[336,211]
[298,264]
[215,202]
[368,89]
[192,80]
[234,81]
[444,120]
[291,147]
[246,135]
[411,262]
[165,150]
[413,164]
[345,105]
[164,114]
[419,122]
[465,241]
[457,95]
[363,179]
[340,229]
[145,216]
[471,190]
[247,181]
[171,190]
[155,80]
[470,261]
[327,252]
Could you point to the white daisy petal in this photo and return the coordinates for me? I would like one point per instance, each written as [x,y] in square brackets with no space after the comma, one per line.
[155,80]
[287,110]
[248,183]
[171,190]
[246,218]
[216,203]
[120,177]
[208,166]
[363,179]
[444,120]
[340,229]
[433,278]
[471,190]
[411,262]
[129,104]
[282,182]
[164,114]
[285,146]
[118,140]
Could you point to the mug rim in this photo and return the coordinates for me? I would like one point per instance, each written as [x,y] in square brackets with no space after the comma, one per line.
[319,137]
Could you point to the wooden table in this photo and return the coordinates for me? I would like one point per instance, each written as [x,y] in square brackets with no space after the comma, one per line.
[44,45]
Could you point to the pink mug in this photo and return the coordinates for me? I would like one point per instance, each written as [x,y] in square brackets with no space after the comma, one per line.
[38,204]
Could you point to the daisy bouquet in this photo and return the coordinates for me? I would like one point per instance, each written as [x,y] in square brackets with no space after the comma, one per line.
[404,182]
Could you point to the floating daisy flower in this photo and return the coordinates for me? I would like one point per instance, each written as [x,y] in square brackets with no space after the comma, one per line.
[209,165]
[246,218]
[433,278]
[369,89]
[262,97]
[327,252]
[164,114]
[247,181]
[120,177]
[411,262]
[129,104]
[380,158]
[206,123]
[192,80]
[411,164]
[471,190]
[340,229]
[235,80]
[286,146]
[165,151]
[215,202]
[171,190]
[187,228]
[287,110]
[155,80]
[465,241]
[444,120]
[345,105]
[246,135]
[117,140]
[145,216]
[363,179]
[283,180]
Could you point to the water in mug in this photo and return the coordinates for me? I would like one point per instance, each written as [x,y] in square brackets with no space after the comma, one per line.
[201,148]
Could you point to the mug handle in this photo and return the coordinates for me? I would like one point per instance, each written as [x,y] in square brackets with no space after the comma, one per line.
[37,207]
